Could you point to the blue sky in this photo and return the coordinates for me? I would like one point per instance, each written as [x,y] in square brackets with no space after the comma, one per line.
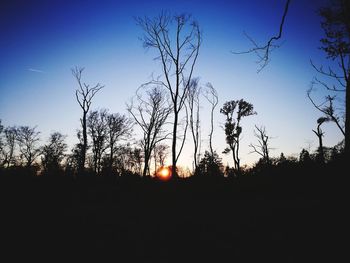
[42,40]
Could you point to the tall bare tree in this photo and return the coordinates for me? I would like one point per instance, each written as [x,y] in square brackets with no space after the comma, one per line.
[233,128]
[177,40]
[212,97]
[84,95]
[150,115]
[28,139]
[194,92]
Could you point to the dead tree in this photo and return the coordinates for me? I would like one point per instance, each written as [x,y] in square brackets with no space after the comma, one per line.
[84,95]
[212,97]
[177,40]
[194,120]
[150,114]
[262,148]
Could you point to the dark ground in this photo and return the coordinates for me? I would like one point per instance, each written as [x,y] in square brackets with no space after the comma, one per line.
[273,218]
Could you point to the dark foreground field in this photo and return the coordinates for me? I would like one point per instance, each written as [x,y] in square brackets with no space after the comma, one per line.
[271,218]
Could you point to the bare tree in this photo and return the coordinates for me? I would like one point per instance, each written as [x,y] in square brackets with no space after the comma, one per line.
[177,40]
[28,139]
[233,128]
[7,147]
[118,127]
[53,153]
[160,152]
[150,115]
[262,148]
[212,97]
[193,105]
[263,51]
[84,95]
[97,129]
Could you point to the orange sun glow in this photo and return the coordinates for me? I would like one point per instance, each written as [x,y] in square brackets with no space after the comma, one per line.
[164,173]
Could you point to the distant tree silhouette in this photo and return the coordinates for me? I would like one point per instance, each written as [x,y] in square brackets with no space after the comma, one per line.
[118,127]
[210,165]
[262,148]
[304,157]
[7,145]
[84,95]
[97,129]
[53,153]
[160,152]
[28,138]
[194,92]
[178,52]
[233,128]
[212,97]
[150,115]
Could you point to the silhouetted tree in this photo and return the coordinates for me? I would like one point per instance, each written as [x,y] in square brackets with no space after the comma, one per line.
[327,107]
[177,51]
[194,92]
[262,148]
[28,139]
[53,153]
[212,96]
[210,165]
[97,129]
[118,127]
[7,148]
[336,44]
[304,157]
[150,115]
[160,152]
[233,129]
[319,133]
[84,95]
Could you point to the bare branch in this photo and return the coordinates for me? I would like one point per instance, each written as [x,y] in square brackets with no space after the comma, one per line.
[263,51]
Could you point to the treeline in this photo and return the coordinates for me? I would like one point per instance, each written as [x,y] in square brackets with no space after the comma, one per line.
[109,154]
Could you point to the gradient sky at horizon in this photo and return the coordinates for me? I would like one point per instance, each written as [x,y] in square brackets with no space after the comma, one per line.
[42,40]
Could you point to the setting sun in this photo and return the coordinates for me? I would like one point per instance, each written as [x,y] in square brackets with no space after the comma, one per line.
[164,173]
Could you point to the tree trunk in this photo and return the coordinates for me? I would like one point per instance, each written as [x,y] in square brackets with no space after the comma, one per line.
[347,121]
[173,148]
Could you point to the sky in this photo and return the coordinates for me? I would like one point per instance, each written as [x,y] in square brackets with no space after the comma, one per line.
[42,40]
